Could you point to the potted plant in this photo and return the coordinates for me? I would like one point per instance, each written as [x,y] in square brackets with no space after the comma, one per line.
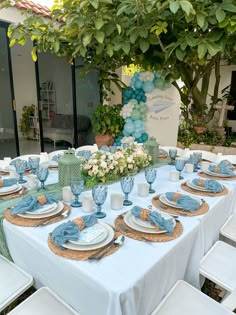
[107,124]
[25,120]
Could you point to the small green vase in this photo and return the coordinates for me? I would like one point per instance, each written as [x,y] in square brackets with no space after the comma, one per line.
[152,148]
[68,168]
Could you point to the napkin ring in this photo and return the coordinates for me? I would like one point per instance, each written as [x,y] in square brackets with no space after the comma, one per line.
[80,223]
[144,214]
[42,199]
[175,196]
[201,182]
[1,183]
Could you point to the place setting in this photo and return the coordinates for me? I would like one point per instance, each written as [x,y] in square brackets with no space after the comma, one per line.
[85,238]
[35,211]
[148,226]
[222,171]
[11,188]
[204,187]
[176,203]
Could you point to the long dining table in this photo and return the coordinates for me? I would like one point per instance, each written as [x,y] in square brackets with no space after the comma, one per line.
[135,278]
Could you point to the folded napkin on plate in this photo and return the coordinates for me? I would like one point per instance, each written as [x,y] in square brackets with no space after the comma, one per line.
[225,163]
[57,157]
[7,182]
[184,201]
[32,203]
[209,184]
[154,218]
[221,170]
[163,152]
[27,166]
[70,231]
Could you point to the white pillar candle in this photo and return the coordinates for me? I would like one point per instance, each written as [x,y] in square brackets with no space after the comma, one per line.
[117,201]
[189,168]
[143,189]
[88,203]
[174,176]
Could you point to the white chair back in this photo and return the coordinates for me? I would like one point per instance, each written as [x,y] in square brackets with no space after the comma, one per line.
[206,155]
[91,148]
[180,152]
[27,156]
[51,154]
[231,158]
[13,282]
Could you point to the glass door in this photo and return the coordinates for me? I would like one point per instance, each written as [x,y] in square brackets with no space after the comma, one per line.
[9,145]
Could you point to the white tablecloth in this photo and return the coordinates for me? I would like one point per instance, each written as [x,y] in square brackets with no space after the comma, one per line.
[135,278]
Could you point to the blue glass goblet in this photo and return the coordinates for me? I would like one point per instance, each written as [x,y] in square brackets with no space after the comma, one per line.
[77,186]
[179,165]
[172,155]
[34,164]
[99,194]
[197,157]
[150,175]
[42,175]
[20,168]
[127,184]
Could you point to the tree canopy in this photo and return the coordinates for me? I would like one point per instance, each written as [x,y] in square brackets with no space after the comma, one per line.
[185,39]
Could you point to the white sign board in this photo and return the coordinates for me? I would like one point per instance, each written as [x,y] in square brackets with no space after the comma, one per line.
[163,115]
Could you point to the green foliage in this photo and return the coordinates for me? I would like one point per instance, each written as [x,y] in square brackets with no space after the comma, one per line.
[25,120]
[106,118]
[186,137]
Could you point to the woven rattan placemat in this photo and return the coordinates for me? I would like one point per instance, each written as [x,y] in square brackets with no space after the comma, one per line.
[158,204]
[136,235]
[204,175]
[204,193]
[18,194]
[14,219]
[78,254]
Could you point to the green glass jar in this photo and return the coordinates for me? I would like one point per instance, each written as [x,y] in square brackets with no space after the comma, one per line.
[68,168]
[152,148]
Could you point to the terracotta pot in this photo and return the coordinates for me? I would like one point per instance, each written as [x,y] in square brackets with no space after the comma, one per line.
[106,139]
[199,129]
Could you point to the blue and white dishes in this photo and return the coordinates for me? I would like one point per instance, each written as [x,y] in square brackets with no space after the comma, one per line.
[21,168]
[172,155]
[77,186]
[127,184]
[150,175]
[179,165]
[42,175]
[34,164]
[99,194]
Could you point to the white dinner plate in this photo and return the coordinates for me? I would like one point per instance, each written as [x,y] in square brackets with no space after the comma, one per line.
[143,223]
[59,208]
[97,239]
[18,187]
[216,174]
[128,219]
[8,189]
[107,240]
[171,203]
[195,187]
[44,209]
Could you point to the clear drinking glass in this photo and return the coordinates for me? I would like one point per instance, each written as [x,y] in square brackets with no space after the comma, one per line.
[99,194]
[42,175]
[150,175]
[127,184]
[77,186]
[179,165]
[21,168]
[34,164]
[172,155]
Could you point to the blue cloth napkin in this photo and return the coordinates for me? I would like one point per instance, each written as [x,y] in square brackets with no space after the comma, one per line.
[57,157]
[163,152]
[209,184]
[221,170]
[9,182]
[70,231]
[185,202]
[27,166]
[156,219]
[225,163]
[30,203]
[86,154]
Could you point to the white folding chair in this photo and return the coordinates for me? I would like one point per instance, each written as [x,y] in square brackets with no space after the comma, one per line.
[91,148]
[13,282]
[228,230]
[184,299]
[206,155]
[43,302]
[231,158]
[219,265]
[180,152]
[27,156]
[51,154]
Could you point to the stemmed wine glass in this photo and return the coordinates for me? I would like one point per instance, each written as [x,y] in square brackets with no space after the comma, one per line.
[179,165]
[42,175]
[197,157]
[150,175]
[127,184]
[34,164]
[172,155]
[21,168]
[99,194]
[77,186]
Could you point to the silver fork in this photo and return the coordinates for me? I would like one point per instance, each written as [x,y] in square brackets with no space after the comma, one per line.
[64,214]
[125,229]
